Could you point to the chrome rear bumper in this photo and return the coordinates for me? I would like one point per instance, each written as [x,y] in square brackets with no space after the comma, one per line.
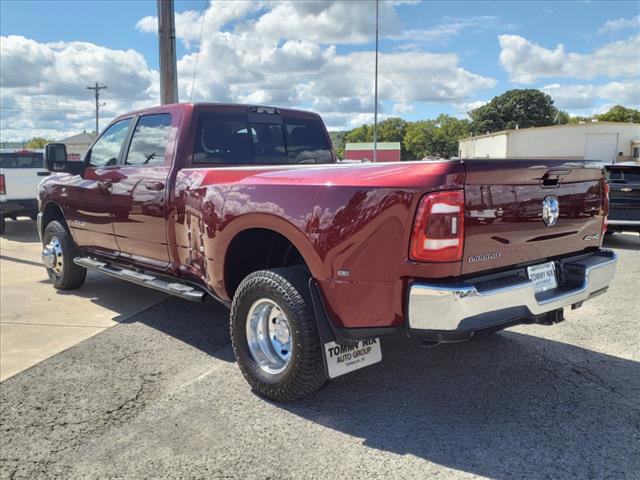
[508,297]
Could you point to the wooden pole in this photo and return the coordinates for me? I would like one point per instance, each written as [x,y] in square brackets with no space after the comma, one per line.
[97,89]
[168,68]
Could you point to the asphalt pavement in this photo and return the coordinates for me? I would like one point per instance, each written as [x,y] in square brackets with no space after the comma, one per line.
[159,396]
[37,321]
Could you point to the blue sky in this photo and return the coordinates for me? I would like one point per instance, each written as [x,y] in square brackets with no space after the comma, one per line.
[436,57]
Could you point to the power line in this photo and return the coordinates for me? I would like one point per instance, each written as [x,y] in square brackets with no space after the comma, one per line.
[97,89]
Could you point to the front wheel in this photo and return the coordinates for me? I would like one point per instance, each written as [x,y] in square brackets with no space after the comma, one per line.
[275,336]
[57,255]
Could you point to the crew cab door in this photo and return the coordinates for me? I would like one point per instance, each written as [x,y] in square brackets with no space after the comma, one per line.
[142,186]
[90,205]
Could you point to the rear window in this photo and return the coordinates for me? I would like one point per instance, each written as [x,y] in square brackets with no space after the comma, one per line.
[21,160]
[623,175]
[231,138]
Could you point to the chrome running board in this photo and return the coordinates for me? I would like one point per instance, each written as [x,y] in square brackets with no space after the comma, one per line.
[176,288]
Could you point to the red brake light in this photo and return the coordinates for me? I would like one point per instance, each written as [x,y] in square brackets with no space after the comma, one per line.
[2,185]
[605,206]
[438,230]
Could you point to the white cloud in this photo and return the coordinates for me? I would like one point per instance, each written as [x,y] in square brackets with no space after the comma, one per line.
[620,24]
[526,62]
[44,85]
[188,23]
[445,31]
[403,107]
[464,108]
[294,64]
[586,96]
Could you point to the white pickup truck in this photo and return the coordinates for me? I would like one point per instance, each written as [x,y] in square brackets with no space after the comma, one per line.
[20,173]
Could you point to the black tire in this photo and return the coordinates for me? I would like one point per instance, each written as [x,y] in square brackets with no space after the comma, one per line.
[289,289]
[72,275]
[3,223]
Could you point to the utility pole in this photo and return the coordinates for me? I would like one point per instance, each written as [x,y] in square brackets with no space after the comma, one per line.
[167,37]
[375,114]
[97,89]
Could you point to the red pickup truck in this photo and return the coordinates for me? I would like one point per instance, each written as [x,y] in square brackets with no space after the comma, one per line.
[317,259]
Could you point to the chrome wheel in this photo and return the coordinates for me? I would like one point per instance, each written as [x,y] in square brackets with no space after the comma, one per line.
[52,256]
[269,336]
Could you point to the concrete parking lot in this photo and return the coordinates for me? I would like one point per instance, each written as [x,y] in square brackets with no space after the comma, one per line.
[36,321]
[158,395]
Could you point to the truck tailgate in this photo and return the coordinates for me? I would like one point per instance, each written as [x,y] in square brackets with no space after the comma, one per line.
[504,220]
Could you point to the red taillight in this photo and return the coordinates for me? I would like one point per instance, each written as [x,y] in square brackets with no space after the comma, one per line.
[2,185]
[438,230]
[605,206]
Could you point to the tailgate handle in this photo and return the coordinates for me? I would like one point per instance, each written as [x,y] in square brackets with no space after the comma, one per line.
[553,177]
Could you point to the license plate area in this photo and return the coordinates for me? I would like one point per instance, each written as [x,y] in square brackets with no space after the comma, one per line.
[342,359]
[543,276]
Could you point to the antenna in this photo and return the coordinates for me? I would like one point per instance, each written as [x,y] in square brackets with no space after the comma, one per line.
[375,107]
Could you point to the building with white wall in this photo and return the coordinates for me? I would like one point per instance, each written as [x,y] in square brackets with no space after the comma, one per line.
[605,141]
[77,145]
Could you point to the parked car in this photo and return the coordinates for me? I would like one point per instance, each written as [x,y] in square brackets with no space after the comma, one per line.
[624,197]
[318,260]
[20,172]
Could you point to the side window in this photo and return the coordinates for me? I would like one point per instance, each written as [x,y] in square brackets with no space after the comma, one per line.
[106,150]
[149,140]
[306,141]
[223,139]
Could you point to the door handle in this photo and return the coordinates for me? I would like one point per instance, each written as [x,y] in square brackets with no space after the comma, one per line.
[154,186]
[104,185]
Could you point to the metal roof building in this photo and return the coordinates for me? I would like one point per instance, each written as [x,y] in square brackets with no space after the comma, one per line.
[387,151]
[606,141]
[77,145]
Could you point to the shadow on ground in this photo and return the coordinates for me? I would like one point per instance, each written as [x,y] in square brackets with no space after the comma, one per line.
[204,326]
[506,406]
[622,241]
[21,230]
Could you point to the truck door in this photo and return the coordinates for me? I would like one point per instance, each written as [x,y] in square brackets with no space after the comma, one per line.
[140,228]
[89,200]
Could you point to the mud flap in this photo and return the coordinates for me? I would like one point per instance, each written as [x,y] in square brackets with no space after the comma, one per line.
[345,354]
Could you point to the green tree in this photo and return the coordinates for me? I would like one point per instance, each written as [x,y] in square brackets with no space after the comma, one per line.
[562,118]
[576,120]
[416,138]
[37,142]
[444,142]
[363,133]
[620,114]
[515,108]
[338,141]
[391,130]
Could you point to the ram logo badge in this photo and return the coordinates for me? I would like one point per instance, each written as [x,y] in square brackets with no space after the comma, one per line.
[550,211]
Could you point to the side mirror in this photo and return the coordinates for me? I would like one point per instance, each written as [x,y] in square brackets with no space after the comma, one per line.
[55,159]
